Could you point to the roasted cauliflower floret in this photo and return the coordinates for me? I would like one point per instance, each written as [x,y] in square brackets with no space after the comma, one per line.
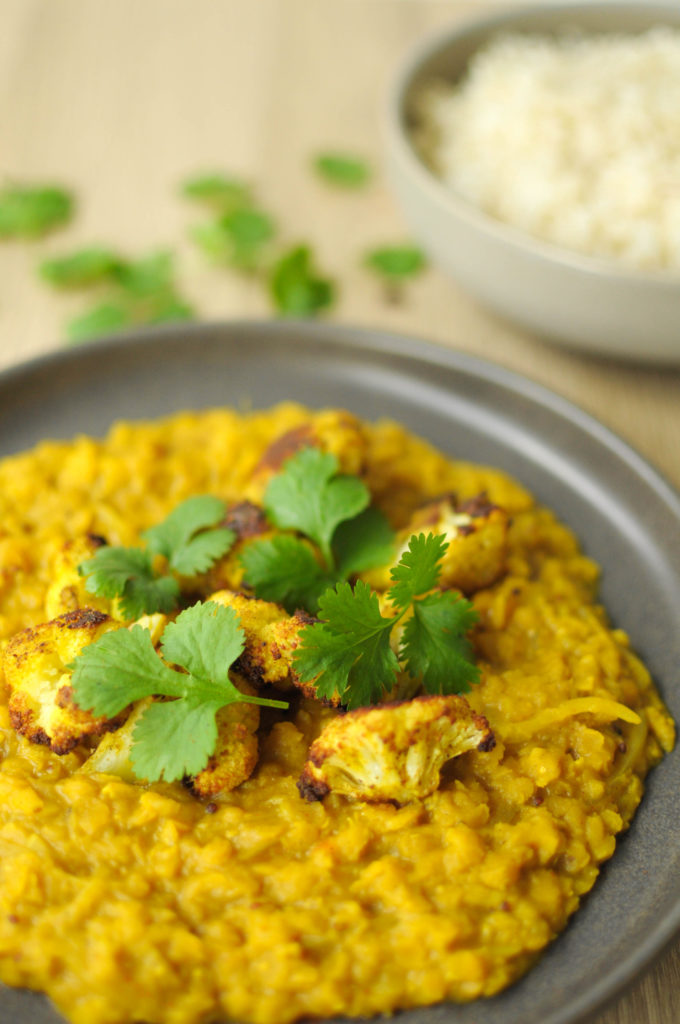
[67,591]
[231,764]
[476,532]
[271,637]
[112,754]
[249,523]
[35,664]
[236,752]
[394,751]
[331,430]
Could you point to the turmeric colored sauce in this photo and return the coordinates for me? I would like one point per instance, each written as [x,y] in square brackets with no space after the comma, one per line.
[129,902]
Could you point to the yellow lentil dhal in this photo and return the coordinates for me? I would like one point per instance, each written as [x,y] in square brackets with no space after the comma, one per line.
[131,903]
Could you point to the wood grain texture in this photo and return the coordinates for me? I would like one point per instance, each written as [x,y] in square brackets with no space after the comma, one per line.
[122,101]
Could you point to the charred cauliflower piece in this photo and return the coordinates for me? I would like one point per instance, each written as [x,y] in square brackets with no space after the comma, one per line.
[232,763]
[476,532]
[35,665]
[236,752]
[271,637]
[331,430]
[248,522]
[67,591]
[393,752]
[112,754]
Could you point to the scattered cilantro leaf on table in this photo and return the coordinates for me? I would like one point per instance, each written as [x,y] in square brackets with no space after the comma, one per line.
[220,191]
[342,170]
[348,652]
[32,211]
[295,286]
[395,265]
[238,239]
[80,269]
[190,541]
[176,737]
[331,510]
[132,292]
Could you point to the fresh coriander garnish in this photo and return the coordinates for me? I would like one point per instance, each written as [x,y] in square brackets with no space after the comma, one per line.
[189,541]
[32,211]
[104,318]
[295,286]
[83,268]
[220,191]
[331,510]
[238,239]
[342,169]
[395,265]
[348,652]
[173,738]
[133,292]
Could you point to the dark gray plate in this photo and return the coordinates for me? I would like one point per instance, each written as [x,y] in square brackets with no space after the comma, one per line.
[625,514]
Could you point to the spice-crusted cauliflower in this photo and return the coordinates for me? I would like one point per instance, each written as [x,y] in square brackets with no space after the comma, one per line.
[334,431]
[67,592]
[476,532]
[271,637]
[35,665]
[232,762]
[393,752]
[236,751]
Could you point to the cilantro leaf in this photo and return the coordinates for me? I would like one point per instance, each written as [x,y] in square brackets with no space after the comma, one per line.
[310,495]
[434,644]
[104,318]
[342,170]
[185,537]
[127,574]
[142,596]
[175,737]
[349,651]
[396,262]
[295,286]
[283,569]
[363,543]
[418,569]
[218,190]
[111,567]
[80,269]
[167,745]
[31,211]
[120,668]
[238,238]
[205,644]
[330,509]
[139,291]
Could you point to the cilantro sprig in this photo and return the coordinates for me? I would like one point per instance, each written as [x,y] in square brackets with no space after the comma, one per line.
[333,532]
[394,265]
[172,738]
[31,211]
[342,169]
[349,653]
[189,541]
[296,287]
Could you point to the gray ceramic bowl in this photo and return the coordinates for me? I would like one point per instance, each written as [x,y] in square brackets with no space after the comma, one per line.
[627,517]
[589,304]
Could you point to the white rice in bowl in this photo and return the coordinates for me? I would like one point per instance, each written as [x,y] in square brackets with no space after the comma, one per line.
[574,139]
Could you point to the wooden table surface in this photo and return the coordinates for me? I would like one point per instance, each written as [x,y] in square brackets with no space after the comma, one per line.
[123,101]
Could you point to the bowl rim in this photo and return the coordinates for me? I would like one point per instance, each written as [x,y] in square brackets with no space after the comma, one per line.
[401,146]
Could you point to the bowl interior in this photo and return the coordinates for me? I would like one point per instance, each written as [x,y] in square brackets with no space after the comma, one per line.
[447,56]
